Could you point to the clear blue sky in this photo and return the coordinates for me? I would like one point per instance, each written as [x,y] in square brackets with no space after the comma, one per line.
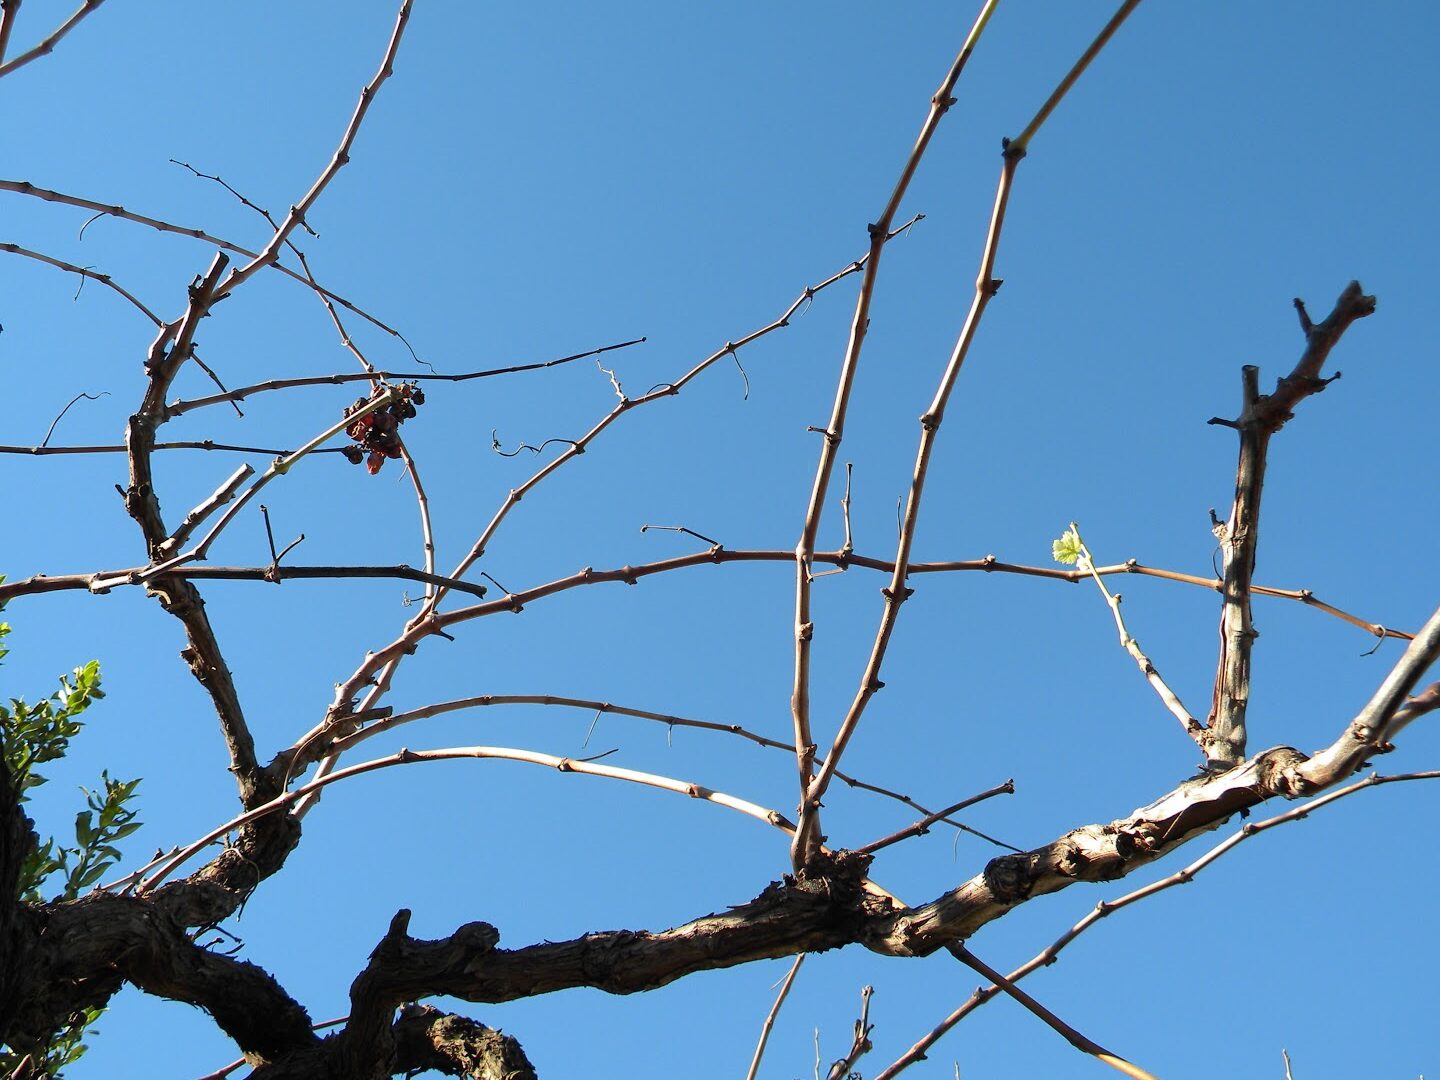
[538,179]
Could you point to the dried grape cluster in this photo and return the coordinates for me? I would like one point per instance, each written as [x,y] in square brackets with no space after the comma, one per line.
[377,434]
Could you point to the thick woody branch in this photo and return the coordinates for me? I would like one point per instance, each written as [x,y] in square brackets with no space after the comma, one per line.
[1386,712]
[177,596]
[77,954]
[1261,416]
[1105,908]
[426,1038]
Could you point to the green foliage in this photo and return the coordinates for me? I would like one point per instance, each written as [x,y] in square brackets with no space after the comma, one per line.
[31,736]
[1068,549]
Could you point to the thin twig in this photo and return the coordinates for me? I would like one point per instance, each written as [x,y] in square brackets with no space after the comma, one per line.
[223,494]
[765,1028]
[24,187]
[1081,1042]
[923,825]
[88,397]
[84,272]
[807,840]
[48,45]
[682,529]
[418,629]
[1172,702]
[860,1045]
[502,753]
[665,390]
[427,533]
[296,214]
[394,720]
[986,286]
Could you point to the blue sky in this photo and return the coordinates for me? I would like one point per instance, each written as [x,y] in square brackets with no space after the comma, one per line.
[541,179]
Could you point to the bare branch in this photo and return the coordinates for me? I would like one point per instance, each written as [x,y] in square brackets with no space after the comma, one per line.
[1372,726]
[47,46]
[1105,908]
[665,390]
[9,10]
[860,1045]
[1260,417]
[503,753]
[84,272]
[223,494]
[1129,644]
[808,839]
[986,286]
[1081,1042]
[923,825]
[88,397]
[296,214]
[766,1027]
[178,408]
[24,187]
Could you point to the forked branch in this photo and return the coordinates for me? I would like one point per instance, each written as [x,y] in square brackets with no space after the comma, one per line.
[1261,415]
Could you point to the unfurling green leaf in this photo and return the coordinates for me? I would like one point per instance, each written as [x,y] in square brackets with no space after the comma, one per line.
[1067,549]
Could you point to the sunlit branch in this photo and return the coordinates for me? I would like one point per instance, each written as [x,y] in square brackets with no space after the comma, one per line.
[922,826]
[427,534]
[47,46]
[1172,702]
[279,467]
[986,286]
[860,1045]
[1372,725]
[1105,908]
[178,408]
[84,272]
[664,390]
[119,448]
[9,10]
[1081,1042]
[24,187]
[387,723]
[54,583]
[1261,416]
[296,214]
[766,1027]
[515,602]
[502,753]
[807,840]
[223,494]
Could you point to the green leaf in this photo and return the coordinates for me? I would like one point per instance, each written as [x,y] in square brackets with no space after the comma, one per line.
[1067,549]
[84,831]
